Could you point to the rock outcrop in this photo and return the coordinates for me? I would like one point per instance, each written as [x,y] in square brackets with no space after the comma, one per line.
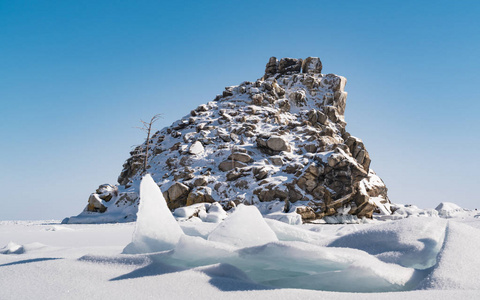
[280,138]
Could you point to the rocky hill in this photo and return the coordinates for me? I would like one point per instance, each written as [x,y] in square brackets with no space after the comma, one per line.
[280,138]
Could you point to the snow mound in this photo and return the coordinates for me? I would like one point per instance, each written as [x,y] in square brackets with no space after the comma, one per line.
[342,219]
[412,242]
[401,211]
[458,262]
[448,209]
[58,228]
[276,210]
[214,214]
[12,248]
[205,212]
[156,228]
[187,212]
[245,227]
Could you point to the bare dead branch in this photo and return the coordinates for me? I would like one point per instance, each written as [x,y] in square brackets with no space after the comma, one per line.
[147,127]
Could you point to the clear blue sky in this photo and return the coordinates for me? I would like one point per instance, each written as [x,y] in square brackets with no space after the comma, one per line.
[76,77]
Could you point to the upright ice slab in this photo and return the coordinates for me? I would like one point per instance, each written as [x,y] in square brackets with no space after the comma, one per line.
[156,228]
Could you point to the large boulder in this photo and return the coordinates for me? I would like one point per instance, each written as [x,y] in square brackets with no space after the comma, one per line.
[271,67]
[176,195]
[228,165]
[95,204]
[241,157]
[106,192]
[277,143]
[288,66]
[312,65]
[200,195]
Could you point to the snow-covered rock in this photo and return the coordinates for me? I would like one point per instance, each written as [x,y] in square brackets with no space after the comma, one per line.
[196,148]
[280,138]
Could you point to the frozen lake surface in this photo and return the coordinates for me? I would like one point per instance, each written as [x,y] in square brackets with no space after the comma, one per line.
[243,256]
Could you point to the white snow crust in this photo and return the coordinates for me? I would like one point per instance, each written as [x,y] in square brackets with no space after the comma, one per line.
[245,256]
[448,209]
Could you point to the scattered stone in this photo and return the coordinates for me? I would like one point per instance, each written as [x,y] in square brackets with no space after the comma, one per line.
[260,173]
[200,181]
[241,157]
[276,160]
[270,193]
[234,175]
[276,143]
[307,213]
[230,205]
[106,192]
[311,148]
[257,99]
[95,204]
[176,194]
[200,195]
[227,165]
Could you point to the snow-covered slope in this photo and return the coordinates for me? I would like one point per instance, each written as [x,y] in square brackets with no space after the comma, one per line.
[280,138]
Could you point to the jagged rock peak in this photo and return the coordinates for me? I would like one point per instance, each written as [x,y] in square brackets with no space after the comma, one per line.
[281,138]
[288,66]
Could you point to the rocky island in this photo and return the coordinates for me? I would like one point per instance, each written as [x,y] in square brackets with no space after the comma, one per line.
[278,141]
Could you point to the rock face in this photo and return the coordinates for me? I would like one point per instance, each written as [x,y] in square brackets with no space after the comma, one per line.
[280,138]
[312,65]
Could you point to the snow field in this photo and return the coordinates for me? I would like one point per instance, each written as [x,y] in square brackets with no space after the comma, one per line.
[245,256]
